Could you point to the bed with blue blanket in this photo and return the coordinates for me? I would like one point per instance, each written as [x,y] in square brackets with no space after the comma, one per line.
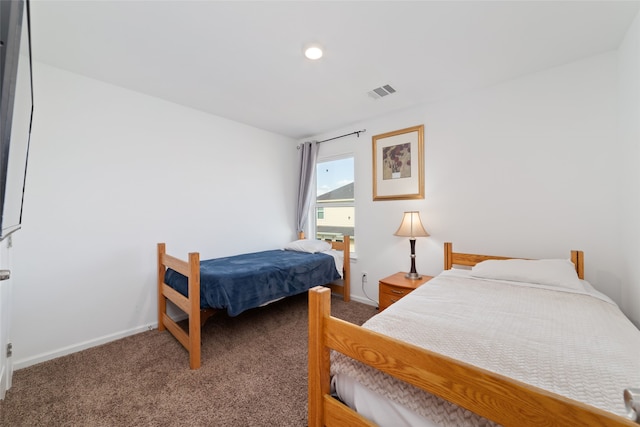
[241,282]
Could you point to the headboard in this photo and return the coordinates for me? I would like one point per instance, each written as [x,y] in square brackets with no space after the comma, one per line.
[345,247]
[456,258]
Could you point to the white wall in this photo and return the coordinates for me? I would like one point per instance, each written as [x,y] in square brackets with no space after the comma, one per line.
[525,168]
[531,167]
[629,112]
[113,172]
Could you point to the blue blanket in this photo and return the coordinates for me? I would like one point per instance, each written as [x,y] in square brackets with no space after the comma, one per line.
[241,282]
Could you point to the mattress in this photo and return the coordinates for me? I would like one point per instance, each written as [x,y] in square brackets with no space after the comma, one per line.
[573,342]
[241,282]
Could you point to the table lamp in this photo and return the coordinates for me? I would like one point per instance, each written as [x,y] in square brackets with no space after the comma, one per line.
[412,227]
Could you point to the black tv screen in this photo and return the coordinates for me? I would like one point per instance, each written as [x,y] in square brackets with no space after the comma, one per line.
[16,110]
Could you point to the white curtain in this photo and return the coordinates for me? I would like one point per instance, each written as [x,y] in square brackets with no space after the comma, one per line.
[307,154]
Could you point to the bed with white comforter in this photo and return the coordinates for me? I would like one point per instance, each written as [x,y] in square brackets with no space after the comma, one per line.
[565,338]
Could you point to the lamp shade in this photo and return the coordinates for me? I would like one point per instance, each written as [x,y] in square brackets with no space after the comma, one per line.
[411,226]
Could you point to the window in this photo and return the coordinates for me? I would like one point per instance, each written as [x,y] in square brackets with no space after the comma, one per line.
[335,203]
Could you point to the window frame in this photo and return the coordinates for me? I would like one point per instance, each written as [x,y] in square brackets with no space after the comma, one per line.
[313,217]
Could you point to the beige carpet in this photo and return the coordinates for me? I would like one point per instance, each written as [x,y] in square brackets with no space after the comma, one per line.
[254,373]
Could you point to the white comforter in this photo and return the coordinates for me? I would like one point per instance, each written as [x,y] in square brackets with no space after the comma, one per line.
[576,344]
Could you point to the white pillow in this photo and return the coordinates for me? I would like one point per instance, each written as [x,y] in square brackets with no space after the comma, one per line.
[550,272]
[308,245]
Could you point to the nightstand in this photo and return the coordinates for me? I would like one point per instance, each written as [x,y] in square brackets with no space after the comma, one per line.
[392,288]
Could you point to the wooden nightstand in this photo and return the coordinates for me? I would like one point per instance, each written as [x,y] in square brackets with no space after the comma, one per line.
[392,288]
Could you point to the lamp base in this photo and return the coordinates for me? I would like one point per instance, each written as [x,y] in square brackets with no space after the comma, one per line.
[413,276]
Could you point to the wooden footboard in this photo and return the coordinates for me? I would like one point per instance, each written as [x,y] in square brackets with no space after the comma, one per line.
[190,305]
[504,400]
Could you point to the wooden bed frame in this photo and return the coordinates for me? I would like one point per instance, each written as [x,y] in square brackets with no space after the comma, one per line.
[493,396]
[190,338]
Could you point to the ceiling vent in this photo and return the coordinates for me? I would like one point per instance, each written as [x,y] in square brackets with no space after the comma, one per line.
[381,91]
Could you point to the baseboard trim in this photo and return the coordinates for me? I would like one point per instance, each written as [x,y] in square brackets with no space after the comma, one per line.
[24,363]
[3,382]
[363,300]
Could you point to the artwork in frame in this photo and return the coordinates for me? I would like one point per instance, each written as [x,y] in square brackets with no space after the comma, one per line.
[398,164]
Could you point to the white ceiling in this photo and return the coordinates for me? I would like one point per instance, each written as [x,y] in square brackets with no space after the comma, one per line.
[243,60]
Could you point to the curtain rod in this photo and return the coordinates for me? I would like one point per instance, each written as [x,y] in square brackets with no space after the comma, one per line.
[358,132]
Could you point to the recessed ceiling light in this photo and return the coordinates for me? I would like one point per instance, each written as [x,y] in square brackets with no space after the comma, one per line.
[313,51]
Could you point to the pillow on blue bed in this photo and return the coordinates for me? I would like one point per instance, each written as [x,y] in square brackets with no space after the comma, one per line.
[308,245]
[550,272]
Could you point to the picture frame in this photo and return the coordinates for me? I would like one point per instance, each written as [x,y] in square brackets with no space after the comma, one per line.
[398,164]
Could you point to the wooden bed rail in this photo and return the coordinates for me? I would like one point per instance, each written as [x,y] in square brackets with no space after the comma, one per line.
[456,258]
[501,399]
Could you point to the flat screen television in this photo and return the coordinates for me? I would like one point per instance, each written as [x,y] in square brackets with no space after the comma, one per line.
[16,110]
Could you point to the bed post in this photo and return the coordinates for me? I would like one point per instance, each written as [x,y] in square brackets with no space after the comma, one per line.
[346,267]
[577,257]
[319,362]
[194,316]
[448,260]
[162,302]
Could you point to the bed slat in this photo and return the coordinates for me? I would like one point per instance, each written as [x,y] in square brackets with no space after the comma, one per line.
[473,259]
[176,264]
[340,415]
[176,331]
[176,297]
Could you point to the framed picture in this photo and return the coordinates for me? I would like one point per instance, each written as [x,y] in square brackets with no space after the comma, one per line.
[398,164]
